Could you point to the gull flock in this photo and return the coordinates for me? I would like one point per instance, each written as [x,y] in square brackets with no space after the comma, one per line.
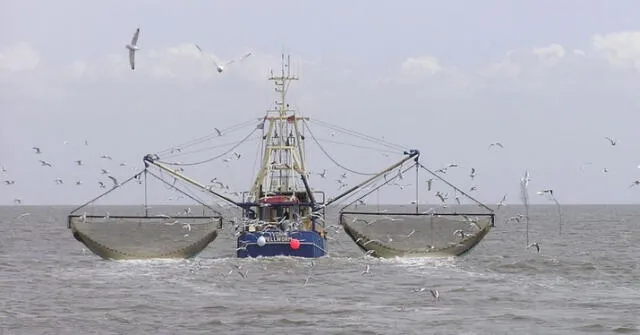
[220,66]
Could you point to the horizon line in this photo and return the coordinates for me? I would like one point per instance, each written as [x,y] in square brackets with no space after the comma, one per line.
[390,204]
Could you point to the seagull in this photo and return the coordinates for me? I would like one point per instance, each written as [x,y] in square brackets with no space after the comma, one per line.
[550,191]
[9,182]
[18,201]
[323,174]
[473,173]
[501,203]
[366,270]
[114,180]
[220,67]
[429,182]
[534,245]
[218,131]
[496,144]
[635,183]
[79,162]
[44,163]
[104,171]
[106,157]
[612,141]
[37,150]
[435,294]
[59,181]
[133,47]
[101,184]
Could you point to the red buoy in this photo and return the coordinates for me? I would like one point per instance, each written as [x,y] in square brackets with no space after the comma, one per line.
[294,244]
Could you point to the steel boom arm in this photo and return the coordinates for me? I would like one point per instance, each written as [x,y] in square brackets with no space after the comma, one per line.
[410,154]
[148,159]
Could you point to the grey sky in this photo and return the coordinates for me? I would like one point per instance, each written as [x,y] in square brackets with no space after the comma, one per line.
[548,79]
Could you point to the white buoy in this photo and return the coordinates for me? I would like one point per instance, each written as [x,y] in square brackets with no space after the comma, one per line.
[261,241]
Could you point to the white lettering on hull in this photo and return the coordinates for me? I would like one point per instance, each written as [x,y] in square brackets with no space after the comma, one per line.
[277,238]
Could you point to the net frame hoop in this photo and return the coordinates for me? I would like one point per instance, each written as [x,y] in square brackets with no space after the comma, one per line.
[462,214]
[218,218]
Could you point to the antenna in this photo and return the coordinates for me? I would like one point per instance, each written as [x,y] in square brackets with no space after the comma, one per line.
[282,83]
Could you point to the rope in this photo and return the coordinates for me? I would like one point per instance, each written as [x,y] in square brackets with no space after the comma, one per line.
[213,158]
[456,189]
[182,153]
[186,194]
[380,186]
[359,146]
[331,158]
[107,192]
[207,137]
[360,135]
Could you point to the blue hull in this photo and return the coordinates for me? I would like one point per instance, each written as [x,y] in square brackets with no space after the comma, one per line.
[312,245]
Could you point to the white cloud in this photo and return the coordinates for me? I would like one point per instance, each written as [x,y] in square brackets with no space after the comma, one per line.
[507,67]
[550,53]
[19,57]
[423,65]
[621,49]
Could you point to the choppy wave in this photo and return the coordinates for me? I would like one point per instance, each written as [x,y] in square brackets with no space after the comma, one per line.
[585,281]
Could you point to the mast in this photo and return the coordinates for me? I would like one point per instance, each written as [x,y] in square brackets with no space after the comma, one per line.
[283,155]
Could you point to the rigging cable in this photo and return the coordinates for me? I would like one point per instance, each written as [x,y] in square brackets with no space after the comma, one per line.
[182,153]
[360,135]
[215,157]
[207,137]
[456,189]
[331,158]
[358,146]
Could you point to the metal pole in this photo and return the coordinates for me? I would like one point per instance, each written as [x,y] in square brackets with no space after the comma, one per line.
[146,203]
[417,199]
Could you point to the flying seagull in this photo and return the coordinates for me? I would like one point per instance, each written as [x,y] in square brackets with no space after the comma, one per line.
[114,180]
[133,47]
[220,67]
[612,141]
[496,144]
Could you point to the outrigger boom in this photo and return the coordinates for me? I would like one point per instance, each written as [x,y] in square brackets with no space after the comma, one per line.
[415,154]
[151,159]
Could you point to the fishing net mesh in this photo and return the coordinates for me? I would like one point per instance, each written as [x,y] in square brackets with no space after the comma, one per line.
[406,234]
[140,237]
[437,218]
[173,227]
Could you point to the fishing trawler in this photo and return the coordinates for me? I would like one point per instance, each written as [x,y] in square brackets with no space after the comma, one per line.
[281,214]
[280,209]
